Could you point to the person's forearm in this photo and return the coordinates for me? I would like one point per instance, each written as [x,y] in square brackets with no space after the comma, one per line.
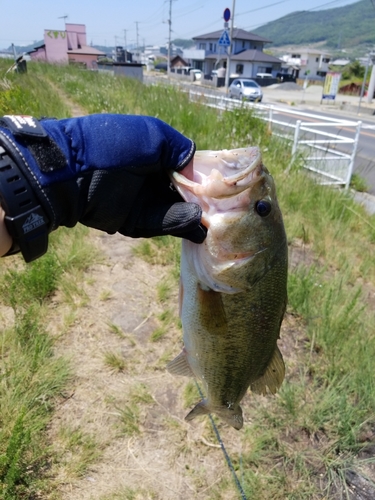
[106,171]
[5,238]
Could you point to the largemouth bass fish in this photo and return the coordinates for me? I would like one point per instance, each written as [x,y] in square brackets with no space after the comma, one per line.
[233,286]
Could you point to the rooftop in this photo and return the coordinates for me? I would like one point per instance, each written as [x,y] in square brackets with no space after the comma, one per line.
[238,34]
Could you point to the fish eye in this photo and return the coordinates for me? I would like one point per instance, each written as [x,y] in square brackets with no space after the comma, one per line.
[263,208]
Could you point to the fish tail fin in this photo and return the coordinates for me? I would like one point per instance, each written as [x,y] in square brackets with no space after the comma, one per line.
[232,416]
[273,377]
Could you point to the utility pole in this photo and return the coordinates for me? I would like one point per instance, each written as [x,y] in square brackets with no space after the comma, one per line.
[137,51]
[371,85]
[169,38]
[227,73]
[125,52]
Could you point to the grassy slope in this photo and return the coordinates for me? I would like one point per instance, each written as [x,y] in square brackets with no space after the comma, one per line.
[32,378]
[302,442]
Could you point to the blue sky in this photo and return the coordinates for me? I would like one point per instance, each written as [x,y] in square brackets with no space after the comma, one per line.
[108,22]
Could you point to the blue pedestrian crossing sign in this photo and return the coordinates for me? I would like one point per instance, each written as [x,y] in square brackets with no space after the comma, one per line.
[224,40]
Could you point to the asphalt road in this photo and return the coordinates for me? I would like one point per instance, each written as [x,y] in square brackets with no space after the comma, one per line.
[304,103]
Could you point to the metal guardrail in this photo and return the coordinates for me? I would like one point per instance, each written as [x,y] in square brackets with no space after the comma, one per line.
[317,147]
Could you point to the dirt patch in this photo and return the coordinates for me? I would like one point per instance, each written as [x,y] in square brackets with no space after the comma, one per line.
[136,415]
[143,448]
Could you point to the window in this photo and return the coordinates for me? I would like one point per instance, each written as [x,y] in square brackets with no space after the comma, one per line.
[317,59]
[210,47]
[243,44]
[321,73]
[326,59]
[202,46]
[239,69]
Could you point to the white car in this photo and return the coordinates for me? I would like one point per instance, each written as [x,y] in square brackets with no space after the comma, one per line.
[197,73]
[245,89]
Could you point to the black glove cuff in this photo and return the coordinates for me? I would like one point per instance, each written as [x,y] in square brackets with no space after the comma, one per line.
[25,219]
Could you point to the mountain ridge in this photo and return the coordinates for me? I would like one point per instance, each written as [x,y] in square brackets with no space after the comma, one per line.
[341,27]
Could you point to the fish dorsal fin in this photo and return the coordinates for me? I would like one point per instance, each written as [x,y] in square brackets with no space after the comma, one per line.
[180,366]
[273,377]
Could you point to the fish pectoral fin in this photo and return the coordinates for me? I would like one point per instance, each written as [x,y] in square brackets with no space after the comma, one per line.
[180,366]
[273,377]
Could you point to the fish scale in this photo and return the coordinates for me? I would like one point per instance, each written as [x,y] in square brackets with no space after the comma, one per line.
[233,286]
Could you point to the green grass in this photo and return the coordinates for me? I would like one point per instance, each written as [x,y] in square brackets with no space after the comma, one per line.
[297,445]
[115,361]
[32,377]
[29,94]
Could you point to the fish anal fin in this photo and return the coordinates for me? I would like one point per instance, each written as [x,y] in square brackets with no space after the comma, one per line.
[180,366]
[273,377]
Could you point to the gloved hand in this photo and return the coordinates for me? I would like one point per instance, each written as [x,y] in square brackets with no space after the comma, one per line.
[109,172]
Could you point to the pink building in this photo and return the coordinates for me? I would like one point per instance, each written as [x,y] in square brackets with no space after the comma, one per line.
[67,46]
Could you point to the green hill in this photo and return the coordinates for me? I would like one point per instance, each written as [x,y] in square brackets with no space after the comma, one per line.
[342,27]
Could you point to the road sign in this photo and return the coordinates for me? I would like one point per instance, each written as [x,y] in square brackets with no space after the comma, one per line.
[331,85]
[224,40]
[226,15]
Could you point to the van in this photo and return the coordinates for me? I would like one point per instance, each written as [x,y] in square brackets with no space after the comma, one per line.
[264,75]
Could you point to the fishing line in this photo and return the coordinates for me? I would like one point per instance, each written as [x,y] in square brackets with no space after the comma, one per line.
[227,457]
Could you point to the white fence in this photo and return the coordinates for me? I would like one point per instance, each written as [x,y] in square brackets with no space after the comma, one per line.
[318,147]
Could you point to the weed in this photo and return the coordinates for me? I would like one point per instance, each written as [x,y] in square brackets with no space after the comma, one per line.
[115,361]
[141,394]
[105,295]
[358,183]
[158,333]
[164,290]
[130,494]
[191,394]
[116,329]
[80,450]
[13,473]
[129,419]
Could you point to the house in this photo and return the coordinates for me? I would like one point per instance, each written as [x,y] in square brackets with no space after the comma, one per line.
[6,55]
[308,62]
[247,56]
[68,46]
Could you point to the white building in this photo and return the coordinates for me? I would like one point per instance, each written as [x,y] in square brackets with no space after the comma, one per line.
[311,62]
[247,56]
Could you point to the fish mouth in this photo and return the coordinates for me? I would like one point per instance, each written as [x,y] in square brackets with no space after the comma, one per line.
[219,174]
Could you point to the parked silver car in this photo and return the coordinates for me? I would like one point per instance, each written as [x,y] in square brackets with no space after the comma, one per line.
[244,88]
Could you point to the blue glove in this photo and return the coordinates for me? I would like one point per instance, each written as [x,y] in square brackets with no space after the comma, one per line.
[105,171]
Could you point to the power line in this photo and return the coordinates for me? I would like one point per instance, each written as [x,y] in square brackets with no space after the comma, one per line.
[261,8]
[298,13]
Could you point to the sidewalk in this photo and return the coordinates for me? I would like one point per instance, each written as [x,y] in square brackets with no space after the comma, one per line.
[312,97]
